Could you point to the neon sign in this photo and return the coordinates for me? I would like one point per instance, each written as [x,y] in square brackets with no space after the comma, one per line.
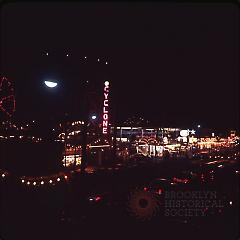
[105,108]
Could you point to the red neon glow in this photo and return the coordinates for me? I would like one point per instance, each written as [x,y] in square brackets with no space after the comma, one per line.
[104,130]
[105,103]
[105,123]
[105,108]
[160,191]
[98,199]
[180,180]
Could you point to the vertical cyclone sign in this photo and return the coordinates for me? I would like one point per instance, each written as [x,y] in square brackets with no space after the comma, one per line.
[105,108]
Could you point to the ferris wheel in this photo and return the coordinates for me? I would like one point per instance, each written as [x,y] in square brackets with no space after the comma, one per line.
[7,97]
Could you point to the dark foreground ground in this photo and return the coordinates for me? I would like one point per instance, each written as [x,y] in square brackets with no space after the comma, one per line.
[65,212]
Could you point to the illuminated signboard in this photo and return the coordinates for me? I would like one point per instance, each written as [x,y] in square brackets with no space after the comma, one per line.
[184,133]
[105,108]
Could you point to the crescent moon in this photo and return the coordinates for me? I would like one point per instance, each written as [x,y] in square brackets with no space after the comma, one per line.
[50,84]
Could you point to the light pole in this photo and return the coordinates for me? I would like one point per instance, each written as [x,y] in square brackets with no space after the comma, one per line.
[84,129]
[52,85]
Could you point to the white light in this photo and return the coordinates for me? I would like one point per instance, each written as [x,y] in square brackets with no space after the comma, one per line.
[85,57]
[67,55]
[198,126]
[184,133]
[23,181]
[3,175]
[47,53]
[58,179]
[99,146]
[230,202]
[50,84]
[34,183]
[50,181]
[94,117]
[98,60]
[28,183]
[42,182]
[106,83]
[106,62]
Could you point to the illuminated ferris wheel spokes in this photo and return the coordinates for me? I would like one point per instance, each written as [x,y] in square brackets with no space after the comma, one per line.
[7,97]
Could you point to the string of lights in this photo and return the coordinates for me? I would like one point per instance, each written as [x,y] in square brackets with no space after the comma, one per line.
[84,58]
[39,180]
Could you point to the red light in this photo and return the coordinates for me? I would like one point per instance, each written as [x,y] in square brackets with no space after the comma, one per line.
[98,199]
[145,189]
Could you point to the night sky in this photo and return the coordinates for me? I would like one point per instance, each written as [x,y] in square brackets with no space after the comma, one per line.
[176,65]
